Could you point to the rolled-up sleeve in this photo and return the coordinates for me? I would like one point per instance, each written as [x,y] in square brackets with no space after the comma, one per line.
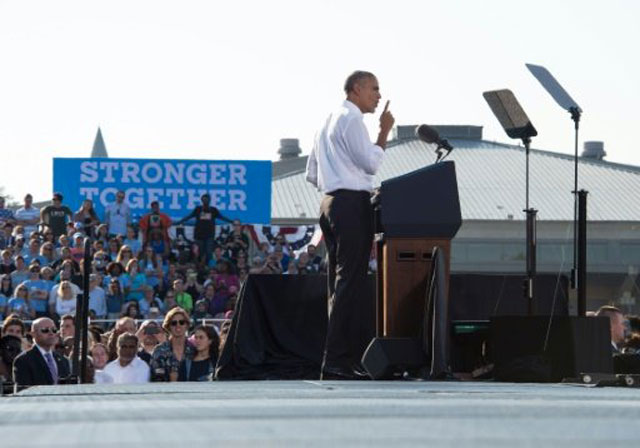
[362,152]
[312,166]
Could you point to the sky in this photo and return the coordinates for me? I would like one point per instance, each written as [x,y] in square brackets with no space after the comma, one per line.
[211,80]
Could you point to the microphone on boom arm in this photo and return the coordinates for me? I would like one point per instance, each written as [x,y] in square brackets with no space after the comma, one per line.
[429,135]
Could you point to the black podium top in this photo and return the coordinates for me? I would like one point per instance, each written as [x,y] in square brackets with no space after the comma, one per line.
[422,203]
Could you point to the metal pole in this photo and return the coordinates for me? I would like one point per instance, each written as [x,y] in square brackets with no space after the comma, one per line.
[582,253]
[531,259]
[84,317]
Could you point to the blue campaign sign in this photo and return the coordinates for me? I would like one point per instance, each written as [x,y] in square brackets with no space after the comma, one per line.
[240,189]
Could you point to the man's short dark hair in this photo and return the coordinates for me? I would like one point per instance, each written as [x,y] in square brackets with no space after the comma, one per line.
[354,78]
[58,196]
[68,317]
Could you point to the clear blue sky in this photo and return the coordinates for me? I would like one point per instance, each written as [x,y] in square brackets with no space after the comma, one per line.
[227,80]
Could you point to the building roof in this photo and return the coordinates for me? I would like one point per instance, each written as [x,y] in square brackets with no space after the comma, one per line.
[491,182]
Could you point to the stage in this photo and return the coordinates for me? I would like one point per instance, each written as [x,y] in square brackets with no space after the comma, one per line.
[314,413]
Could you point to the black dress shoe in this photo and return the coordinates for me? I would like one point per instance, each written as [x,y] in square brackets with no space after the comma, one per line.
[337,373]
[360,373]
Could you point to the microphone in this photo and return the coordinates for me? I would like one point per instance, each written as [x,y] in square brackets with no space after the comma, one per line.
[429,135]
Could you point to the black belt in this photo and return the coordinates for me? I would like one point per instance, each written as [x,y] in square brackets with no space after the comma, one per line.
[343,191]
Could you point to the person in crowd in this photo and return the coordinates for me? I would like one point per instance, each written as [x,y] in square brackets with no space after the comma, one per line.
[132,310]
[6,263]
[48,236]
[47,254]
[117,215]
[150,335]
[86,218]
[97,297]
[6,292]
[67,346]
[6,214]
[133,281]
[125,255]
[158,244]
[183,299]
[131,240]
[66,256]
[150,300]
[272,266]
[204,232]
[21,273]
[100,262]
[292,269]
[206,343]
[341,165]
[102,235]
[169,358]
[315,260]
[191,285]
[10,348]
[56,215]
[237,240]
[67,326]
[99,355]
[262,251]
[114,299]
[155,220]
[33,252]
[303,265]
[113,249]
[38,291]
[151,266]
[616,318]
[14,326]
[201,310]
[65,299]
[169,300]
[28,216]
[127,368]
[113,271]
[123,325]
[20,304]
[77,251]
[40,365]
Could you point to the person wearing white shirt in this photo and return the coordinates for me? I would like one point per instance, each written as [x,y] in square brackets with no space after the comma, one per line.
[118,215]
[127,368]
[97,298]
[28,216]
[342,165]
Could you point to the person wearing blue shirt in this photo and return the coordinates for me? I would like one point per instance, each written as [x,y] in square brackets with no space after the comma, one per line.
[133,281]
[19,303]
[38,291]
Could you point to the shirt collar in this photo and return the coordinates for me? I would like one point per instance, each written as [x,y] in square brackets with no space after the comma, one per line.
[352,108]
[43,351]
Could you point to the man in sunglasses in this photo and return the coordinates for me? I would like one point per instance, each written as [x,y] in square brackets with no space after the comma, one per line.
[40,365]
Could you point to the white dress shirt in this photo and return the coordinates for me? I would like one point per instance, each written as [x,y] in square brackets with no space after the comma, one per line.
[343,156]
[117,216]
[137,371]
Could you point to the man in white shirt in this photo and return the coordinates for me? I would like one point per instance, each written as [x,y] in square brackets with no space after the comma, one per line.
[127,368]
[118,215]
[342,165]
[28,216]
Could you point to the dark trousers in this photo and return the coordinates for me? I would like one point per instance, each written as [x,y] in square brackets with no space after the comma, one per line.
[346,221]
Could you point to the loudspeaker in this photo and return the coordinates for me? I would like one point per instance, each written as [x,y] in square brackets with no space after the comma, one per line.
[575,345]
[386,358]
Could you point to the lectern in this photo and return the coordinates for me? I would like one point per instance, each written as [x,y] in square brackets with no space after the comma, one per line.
[415,212]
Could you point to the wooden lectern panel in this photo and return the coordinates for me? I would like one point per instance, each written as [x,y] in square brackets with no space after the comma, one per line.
[406,267]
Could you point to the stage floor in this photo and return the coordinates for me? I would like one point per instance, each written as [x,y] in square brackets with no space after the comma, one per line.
[332,413]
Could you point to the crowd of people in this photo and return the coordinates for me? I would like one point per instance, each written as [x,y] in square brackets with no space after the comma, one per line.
[138,273]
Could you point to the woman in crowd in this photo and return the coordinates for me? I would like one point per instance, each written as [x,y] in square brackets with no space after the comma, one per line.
[86,216]
[114,271]
[124,255]
[151,266]
[168,357]
[132,310]
[100,356]
[102,233]
[6,291]
[19,304]
[206,342]
[65,299]
[133,281]
[47,254]
[6,263]
[114,298]
[132,241]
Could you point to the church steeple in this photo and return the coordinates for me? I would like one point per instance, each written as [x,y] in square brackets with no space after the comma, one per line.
[99,148]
